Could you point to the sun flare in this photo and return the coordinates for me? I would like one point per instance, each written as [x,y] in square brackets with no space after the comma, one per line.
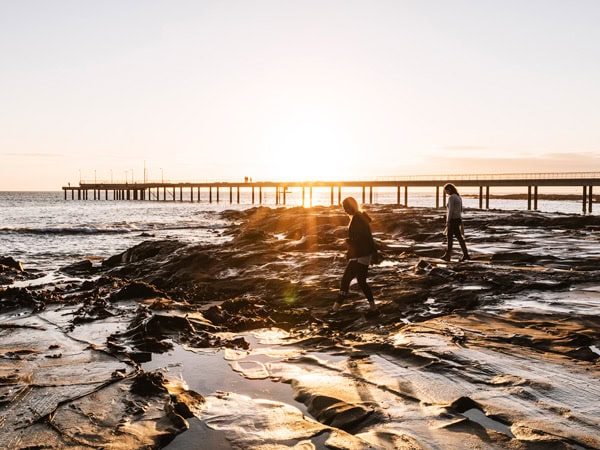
[310,146]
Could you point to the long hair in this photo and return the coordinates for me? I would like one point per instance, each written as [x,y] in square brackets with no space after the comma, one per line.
[352,207]
[451,188]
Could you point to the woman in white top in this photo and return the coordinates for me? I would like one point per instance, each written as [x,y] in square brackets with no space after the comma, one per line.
[454,222]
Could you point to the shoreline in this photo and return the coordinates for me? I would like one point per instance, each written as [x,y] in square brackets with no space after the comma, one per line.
[441,365]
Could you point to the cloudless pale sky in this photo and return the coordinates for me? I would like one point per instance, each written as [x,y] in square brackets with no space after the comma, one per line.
[306,89]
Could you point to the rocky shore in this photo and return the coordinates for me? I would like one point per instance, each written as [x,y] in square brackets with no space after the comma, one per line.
[170,344]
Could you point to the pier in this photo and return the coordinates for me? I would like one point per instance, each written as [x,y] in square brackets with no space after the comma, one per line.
[218,191]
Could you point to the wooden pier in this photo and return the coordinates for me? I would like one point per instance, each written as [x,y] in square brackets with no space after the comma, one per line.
[214,191]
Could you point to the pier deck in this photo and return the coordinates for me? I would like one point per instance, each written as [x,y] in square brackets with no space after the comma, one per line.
[149,190]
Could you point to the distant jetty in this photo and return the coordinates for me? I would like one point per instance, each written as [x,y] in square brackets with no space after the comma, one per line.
[213,191]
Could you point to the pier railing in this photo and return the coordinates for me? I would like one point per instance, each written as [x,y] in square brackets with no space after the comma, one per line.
[152,190]
[501,176]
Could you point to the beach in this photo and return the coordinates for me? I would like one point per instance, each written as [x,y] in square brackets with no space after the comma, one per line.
[226,341]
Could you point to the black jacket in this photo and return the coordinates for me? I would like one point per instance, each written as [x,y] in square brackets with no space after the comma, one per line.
[360,239]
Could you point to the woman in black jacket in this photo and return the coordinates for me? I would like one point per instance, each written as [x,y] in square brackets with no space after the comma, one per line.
[361,249]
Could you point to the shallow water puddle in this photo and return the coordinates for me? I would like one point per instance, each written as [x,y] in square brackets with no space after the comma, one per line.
[580,301]
[589,287]
[240,387]
[472,287]
[479,417]
[209,372]
[199,435]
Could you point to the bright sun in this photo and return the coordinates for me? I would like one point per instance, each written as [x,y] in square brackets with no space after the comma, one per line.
[310,147]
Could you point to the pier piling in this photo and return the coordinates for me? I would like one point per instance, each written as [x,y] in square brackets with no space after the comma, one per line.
[151,191]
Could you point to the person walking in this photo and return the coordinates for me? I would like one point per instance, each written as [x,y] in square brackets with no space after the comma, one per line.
[454,227]
[361,249]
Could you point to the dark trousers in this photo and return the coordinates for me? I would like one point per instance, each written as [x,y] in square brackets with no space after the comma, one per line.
[354,269]
[454,231]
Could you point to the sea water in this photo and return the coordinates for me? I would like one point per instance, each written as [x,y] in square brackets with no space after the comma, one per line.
[45,232]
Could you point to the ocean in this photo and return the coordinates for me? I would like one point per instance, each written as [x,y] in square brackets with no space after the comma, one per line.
[46,232]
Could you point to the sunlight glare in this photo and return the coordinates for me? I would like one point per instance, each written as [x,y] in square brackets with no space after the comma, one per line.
[310,146]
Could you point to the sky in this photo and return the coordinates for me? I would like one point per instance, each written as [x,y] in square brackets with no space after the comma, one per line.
[204,90]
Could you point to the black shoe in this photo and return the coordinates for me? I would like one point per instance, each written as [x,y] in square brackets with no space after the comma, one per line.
[373,311]
[465,258]
[446,257]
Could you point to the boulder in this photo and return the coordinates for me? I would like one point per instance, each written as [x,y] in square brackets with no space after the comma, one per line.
[137,290]
[143,251]
[11,262]
[84,267]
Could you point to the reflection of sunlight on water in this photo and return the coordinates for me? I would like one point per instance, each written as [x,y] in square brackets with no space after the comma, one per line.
[591,288]
[400,339]
[471,288]
[207,372]
[479,417]
[54,277]
[582,300]
[387,263]
[326,358]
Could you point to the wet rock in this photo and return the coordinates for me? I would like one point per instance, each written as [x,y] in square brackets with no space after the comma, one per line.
[4,280]
[427,252]
[410,297]
[337,413]
[154,333]
[186,403]
[584,354]
[423,267]
[239,314]
[137,290]
[9,275]
[95,309]
[143,251]
[236,308]
[216,315]
[345,417]
[252,235]
[20,298]
[9,261]
[442,274]
[513,257]
[142,357]
[463,404]
[84,267]
[149,383]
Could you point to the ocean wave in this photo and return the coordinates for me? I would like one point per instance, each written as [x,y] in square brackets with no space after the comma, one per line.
[66,230]
[131,228]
